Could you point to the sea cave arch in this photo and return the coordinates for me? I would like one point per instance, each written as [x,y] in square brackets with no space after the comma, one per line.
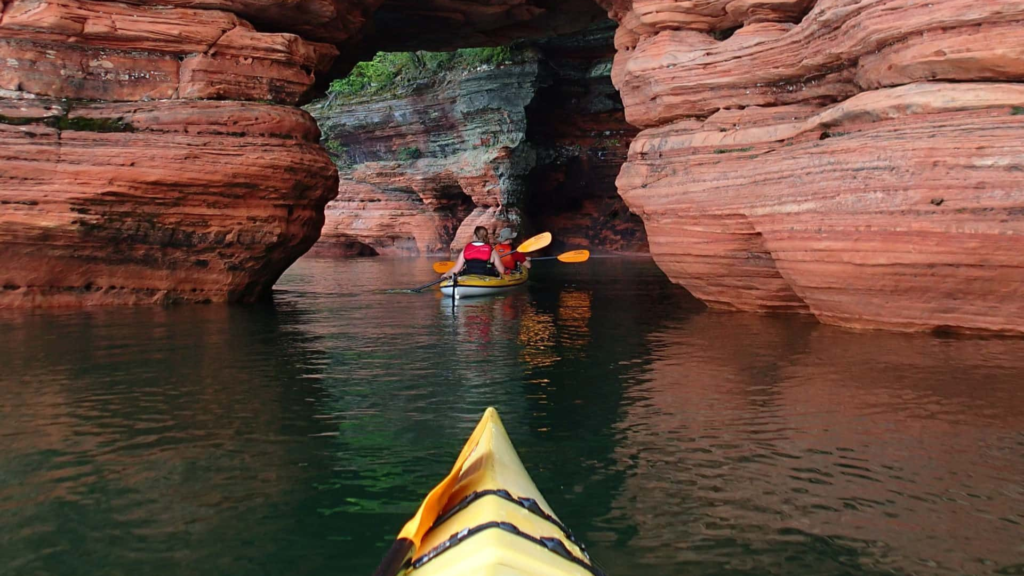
[529,136]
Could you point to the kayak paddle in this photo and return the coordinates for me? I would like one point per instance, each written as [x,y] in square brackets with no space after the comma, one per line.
[442,267]
[439,267]
[568,257]
[573,257]
[536,243]
[411,536]
[415,290]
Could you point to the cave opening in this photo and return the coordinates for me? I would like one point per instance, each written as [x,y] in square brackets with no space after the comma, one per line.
[533,133]
[349,249]
[455,206]
[576,123]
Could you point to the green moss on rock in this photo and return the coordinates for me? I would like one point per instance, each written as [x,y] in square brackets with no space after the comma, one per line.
[409,154]
[390,71]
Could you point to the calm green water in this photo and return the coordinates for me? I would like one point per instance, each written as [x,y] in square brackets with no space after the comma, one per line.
[297,438]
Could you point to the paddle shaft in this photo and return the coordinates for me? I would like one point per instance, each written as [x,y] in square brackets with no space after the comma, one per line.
[396,557]
[428,285]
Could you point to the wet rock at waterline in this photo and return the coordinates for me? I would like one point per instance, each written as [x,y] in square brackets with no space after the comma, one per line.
[179,198]
[854,160]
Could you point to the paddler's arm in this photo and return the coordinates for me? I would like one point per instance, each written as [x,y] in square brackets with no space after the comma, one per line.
[496,260]
[460,262]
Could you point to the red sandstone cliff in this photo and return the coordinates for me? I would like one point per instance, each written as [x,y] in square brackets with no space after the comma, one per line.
[120,184]
[857,160]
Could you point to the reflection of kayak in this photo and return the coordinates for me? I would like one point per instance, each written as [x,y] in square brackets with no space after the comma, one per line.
[494,521]
[473,285]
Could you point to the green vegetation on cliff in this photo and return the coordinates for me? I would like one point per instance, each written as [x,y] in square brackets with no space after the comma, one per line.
[390,71]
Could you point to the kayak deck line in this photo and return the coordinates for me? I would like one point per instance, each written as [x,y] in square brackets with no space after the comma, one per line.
[469,285]
[487,518]
[530,505]
[552,545]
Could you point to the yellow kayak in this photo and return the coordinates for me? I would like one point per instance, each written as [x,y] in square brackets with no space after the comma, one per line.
[487,518]
[470,285]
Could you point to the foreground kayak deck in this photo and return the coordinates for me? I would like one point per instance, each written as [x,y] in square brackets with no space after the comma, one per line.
[471,285]
[488,519]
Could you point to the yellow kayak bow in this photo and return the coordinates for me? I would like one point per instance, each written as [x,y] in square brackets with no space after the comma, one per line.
[486,518]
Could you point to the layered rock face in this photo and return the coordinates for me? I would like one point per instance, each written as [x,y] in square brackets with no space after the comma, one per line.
[121,183]
[858,160]
[155,202]
[420,170]
[531,145]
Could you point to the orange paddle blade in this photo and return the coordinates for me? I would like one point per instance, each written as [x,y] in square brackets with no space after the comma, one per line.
[536,243]
[574,256]
[442,267]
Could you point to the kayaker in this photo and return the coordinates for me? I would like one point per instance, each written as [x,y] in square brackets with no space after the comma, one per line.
[478,257]
[509,258]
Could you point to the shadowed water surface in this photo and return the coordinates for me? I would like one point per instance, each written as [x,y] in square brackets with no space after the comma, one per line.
[296,438]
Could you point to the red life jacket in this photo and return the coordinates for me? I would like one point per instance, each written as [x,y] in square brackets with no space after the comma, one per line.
[477,251]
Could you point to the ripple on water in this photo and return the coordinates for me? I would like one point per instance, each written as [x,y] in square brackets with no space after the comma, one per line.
[296,438]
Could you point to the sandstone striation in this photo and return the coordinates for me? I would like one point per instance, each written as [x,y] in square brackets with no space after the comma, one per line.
[857,160]
[419,170]
[155,202]
[83,49]
[134,187]
[123,181]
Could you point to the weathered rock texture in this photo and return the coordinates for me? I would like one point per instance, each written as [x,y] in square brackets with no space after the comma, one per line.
[532,145]
[133,187]
[122,182]
[82,49]
[420,170]
[155,202]
[860,160]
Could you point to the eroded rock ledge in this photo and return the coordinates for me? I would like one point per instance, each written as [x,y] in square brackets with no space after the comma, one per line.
[419,171]
[861,161]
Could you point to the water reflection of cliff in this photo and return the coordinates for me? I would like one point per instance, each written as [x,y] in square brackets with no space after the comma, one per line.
[764,445]
[131,435]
